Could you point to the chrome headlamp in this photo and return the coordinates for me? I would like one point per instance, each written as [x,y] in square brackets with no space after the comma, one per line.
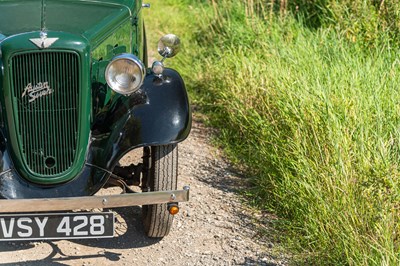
[125,74]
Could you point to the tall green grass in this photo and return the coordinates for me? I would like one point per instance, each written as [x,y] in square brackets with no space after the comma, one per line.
[313,115]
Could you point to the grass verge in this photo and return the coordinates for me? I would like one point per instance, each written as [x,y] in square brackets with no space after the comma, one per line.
[313,116]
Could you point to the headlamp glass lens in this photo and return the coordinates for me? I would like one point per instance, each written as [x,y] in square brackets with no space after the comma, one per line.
[125,75]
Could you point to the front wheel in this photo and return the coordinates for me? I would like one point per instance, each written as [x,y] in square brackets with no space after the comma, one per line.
[163,175]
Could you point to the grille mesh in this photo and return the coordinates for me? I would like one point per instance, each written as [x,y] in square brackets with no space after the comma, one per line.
[45,87]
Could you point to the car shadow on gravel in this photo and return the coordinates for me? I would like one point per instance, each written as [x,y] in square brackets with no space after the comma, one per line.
[57,257]
[129,235]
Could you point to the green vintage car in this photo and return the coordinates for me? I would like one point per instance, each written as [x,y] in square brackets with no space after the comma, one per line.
[76,95]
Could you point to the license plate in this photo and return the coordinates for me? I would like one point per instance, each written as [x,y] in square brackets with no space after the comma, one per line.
[56,226]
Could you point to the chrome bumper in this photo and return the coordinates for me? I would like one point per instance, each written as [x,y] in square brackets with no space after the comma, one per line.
[93,202]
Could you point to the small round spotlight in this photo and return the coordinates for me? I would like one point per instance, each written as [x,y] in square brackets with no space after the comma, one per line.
[158,68]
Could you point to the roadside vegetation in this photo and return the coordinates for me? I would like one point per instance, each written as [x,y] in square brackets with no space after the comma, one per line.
[305,95]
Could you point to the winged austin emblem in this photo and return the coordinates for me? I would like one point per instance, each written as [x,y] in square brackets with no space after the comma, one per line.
[43,41]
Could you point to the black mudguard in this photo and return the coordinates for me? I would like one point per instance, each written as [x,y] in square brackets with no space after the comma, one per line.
[158,114]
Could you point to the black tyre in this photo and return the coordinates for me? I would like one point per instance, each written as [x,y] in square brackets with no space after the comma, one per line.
[163,174]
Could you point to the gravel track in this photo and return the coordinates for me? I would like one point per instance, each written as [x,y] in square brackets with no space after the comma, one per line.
[213,228]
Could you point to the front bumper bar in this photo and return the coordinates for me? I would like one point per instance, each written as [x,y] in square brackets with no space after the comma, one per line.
[93,202]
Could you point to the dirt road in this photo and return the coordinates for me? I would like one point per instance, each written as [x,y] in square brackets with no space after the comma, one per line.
[214,228]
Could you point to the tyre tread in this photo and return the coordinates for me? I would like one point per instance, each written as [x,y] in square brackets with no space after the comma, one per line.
[164,173]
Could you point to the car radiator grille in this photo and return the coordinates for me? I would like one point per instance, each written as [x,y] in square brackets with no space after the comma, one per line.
[46,86]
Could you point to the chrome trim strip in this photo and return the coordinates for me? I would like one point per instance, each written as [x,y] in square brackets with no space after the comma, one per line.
[93,202]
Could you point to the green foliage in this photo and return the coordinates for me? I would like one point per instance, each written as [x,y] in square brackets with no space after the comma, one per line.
[310,105]
[371,22]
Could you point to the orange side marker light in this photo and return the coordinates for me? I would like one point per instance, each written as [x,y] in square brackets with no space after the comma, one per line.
[173,209]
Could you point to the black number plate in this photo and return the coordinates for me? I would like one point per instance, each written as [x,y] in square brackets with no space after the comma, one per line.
[56,226]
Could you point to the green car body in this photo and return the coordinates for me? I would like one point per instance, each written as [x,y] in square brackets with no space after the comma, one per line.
[63,130]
